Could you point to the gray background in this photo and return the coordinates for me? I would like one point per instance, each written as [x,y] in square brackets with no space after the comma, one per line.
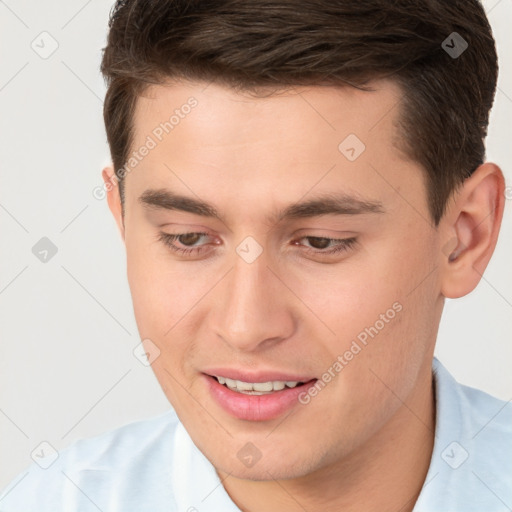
[67,328]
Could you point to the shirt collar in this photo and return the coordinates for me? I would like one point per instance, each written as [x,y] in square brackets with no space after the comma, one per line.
[470,468]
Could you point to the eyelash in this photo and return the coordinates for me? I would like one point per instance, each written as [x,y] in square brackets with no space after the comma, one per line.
[344,244]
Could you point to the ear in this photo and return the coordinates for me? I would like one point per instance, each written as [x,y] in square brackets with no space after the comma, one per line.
[113,197]
[471,225]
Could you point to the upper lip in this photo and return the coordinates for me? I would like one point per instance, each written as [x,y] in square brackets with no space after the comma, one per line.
[257,376]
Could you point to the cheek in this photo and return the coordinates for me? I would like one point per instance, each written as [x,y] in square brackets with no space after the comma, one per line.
[381,309]
[397,353]
[352,296]
[157,295]
[165,299]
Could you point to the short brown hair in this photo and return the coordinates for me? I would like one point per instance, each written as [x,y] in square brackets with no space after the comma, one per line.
[253,45]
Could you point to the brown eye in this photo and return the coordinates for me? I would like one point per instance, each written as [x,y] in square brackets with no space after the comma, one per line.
[319,244]
[189,240]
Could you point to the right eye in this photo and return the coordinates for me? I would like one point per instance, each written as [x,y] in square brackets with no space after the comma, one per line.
[184,238]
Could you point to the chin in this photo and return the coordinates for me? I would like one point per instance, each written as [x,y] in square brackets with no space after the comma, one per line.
[278,468]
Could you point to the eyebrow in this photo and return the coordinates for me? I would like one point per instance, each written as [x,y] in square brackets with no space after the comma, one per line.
[325,204]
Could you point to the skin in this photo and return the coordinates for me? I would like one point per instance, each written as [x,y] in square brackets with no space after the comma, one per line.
[365,441]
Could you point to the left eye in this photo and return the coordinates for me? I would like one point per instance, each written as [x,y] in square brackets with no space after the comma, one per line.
[338,245]
[319,244]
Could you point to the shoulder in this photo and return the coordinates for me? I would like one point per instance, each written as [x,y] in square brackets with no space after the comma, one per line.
[89,473]
[116,447]
[486,429]
[471,411]
[471,466]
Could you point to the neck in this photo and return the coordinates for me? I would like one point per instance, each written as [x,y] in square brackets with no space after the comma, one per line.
[387,472]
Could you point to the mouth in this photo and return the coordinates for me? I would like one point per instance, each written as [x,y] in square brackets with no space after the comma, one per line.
[256,388]
[257,401]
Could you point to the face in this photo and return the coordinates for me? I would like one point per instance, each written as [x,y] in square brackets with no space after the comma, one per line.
[279,239]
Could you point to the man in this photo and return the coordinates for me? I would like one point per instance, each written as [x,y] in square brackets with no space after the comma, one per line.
[299,186]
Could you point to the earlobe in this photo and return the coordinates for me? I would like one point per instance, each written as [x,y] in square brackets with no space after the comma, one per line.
[113,197]
[473,222]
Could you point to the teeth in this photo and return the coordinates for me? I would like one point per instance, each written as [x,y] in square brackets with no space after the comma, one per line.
[256,388]
[244,386]
[262,386]
[230,383]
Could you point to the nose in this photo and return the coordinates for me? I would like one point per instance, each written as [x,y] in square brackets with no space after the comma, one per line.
[253,308]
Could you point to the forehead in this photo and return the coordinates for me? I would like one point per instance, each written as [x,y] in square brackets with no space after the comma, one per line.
[323,107]
[204,135]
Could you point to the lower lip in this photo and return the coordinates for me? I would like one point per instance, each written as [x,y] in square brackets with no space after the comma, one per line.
[255,407]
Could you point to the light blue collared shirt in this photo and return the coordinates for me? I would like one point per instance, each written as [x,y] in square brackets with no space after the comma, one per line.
[153,465]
